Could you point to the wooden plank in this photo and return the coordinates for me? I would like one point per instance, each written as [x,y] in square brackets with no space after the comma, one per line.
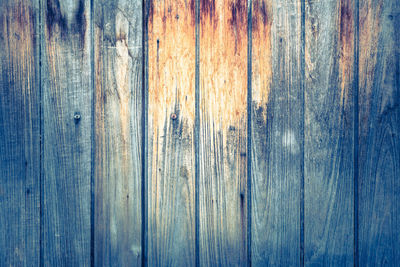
[379,133]
[67,128]
[223,139]
[329,130]
[171,170]
[276,129]
[19,134]
[118,111]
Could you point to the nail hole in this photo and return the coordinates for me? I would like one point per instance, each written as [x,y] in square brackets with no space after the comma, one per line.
[77,117]
[173,116]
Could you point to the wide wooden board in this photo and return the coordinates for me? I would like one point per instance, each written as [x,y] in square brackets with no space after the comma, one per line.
[171,107]
[379,133]
[118,77]
[223,133]
[276,133]
[329,133]
[66,132]
[19,134]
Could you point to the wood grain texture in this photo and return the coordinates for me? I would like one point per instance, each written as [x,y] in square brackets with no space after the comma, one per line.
[277,115]
[67,128]
[329,126]
[223,128]
[171,94]
[379,129]
[118,111]
[19,134]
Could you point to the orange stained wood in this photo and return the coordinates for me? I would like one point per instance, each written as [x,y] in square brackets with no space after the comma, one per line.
[223,62]
[223,127]
[171,61]
[261,52]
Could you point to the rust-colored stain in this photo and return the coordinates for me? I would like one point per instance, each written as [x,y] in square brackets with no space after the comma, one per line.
[261,53]
[17,26]
[223,62]
[346,60]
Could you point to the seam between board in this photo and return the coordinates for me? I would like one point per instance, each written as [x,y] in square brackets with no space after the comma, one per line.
[249,128]
[93,140]
[355,137]
[302,88]
[197,135]
[41,137]
[144,114]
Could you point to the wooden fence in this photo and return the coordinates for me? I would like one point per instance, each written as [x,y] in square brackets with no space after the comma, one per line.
[199,132]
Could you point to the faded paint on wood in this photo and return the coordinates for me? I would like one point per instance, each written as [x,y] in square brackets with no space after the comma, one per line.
[223,128]
[277,115]
[19,134]
[66,133]
[171,94]
[329,129]
[379,129]
[118,111]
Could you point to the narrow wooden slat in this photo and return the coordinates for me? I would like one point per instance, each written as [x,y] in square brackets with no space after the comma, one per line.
[171,170]
[329,126]
[379,129]
[277,115]
[66,152]
[223,128]
[118,111]
[19,134]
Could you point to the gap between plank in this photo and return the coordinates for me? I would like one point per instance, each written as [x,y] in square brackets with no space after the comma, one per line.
[249,125]
[355,137]
[93,122]
[302,87]
[144,127]
[41,137]
[196,133]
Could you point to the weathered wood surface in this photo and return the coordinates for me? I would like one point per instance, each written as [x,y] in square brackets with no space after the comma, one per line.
[98,151]
[118,113]
[379,133]
[277,115]
[328,133]
[223,128]
[171,170]
[19,134]
[66,132]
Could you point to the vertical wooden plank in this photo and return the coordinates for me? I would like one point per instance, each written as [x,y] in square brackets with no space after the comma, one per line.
[171,171]
[118,111]
[329,126]
[223,128]
[277,133]
[67,112]
[19,134]
[379,133]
